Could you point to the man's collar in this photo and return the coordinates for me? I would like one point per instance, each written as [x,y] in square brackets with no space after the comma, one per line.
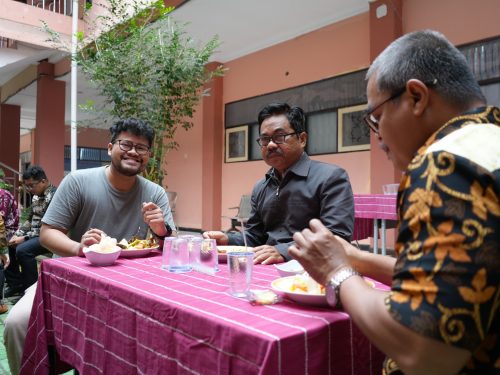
[479,115]
[300,168]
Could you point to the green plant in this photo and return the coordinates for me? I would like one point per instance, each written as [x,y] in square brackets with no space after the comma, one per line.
[145,66]
[3,184]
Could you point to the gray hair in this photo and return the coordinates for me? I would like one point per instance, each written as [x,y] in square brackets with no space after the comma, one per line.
[429,57]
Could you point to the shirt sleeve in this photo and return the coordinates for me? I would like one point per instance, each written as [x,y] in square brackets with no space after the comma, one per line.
[447,276]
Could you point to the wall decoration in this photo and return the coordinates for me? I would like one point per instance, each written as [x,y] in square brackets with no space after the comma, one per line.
[237,144]
[354,134]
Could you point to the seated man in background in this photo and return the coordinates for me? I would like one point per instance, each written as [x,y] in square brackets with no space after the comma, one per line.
[442,314]
[112,200]
[10,216]
[25,244]
[295,190]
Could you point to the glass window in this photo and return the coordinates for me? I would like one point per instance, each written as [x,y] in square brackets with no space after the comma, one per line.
[255,153]
[322,133]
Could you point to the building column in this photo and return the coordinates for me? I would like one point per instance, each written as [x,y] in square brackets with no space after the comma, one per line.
[385,26]
[10,127]
[212,156]
[48,139]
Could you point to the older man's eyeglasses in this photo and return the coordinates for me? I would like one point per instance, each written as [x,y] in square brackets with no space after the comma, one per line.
[372,121]
[128,146]
[278,139]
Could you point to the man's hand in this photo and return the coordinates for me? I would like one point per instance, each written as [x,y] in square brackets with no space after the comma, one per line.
[266,254]
[90,237]
[16,240]
[220,237]
[4,258]
[319,251]
[153,217]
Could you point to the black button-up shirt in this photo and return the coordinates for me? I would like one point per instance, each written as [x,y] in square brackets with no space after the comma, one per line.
[309,189]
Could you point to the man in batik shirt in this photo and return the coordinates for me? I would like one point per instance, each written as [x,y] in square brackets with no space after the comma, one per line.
[27,238]
[441,315]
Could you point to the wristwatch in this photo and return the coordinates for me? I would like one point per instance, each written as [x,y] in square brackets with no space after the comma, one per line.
[169,232]
[333,286]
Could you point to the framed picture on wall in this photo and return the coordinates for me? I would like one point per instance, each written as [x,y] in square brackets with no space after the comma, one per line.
[354,135]
[237,144]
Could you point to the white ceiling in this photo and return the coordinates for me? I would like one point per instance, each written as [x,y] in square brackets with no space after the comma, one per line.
[242,27]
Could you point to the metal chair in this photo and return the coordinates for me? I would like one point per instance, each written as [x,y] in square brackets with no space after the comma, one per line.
[243,214]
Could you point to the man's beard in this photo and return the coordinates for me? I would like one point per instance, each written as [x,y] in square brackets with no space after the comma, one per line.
[128,171]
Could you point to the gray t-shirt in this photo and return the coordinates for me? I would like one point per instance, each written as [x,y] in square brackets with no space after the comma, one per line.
[85,199]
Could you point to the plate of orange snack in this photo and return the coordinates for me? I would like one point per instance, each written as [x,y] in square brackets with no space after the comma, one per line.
[303,289]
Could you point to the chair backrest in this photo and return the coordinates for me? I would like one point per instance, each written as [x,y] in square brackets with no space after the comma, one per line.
[245,207]
[172,200]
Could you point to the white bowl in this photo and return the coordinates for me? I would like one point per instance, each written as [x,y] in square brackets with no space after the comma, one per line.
[98,258]
[290,268]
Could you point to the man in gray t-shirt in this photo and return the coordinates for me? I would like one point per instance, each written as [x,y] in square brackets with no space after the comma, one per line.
[110,200]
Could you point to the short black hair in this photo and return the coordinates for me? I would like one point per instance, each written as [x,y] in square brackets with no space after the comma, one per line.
[34,172]
[134,126]
[295,115]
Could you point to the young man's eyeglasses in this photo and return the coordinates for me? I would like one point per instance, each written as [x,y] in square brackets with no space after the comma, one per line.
[372,121]
[32,185]
[128,146]
[278,139]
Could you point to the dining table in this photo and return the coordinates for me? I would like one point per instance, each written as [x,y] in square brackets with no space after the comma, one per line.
[134,317]
[369,211]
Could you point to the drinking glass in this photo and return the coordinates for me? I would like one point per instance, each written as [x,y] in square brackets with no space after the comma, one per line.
[208,255]
[167,246]
[178,261]
[240,266]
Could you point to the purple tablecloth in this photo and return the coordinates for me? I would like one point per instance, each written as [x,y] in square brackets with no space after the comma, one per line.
[368,207]
[134,317]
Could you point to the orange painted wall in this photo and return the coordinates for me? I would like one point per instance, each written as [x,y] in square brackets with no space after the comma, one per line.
[88,137]
[260,73]
[330,51]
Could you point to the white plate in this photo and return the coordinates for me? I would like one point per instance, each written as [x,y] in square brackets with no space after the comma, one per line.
[284,284]
[223,250]
[134,253]
[290,268]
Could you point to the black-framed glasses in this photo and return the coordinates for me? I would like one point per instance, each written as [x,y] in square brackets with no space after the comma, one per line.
[264,140]
[372,121]
[128,146]
[32,185]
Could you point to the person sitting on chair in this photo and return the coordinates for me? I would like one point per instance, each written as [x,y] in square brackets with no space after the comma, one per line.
[25,243]
[295,190]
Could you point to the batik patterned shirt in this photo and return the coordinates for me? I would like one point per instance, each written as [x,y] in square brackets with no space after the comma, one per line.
[447,275]
[31,227]
[9,212]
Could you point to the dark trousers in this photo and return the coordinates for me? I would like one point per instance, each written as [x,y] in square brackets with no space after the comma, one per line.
[25,257]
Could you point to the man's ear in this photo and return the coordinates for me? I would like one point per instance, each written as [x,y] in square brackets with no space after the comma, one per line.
[303,139]
[110,146]
[419,94]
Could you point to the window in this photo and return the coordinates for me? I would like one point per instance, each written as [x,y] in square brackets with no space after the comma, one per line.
[322,133]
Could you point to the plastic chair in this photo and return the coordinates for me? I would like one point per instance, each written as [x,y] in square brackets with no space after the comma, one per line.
[244,210]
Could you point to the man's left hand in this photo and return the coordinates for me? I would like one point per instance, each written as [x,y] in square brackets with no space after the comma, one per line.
[266,254]
[153,217]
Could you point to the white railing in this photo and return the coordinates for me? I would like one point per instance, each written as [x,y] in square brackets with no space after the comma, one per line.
[57,6]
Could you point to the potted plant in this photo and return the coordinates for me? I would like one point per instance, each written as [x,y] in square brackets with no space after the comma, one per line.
[145,66]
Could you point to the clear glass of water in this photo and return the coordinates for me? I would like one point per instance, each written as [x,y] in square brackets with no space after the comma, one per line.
[179,261]
[240,266]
